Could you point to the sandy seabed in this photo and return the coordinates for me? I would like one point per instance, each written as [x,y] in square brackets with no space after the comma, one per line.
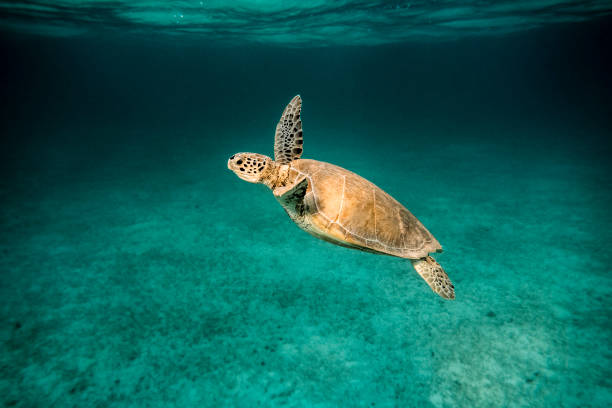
[153,276]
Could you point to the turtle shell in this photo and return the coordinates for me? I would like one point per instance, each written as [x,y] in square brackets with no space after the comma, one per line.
[348,210]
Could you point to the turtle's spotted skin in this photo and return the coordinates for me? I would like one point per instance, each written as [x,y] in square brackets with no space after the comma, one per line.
[339,206]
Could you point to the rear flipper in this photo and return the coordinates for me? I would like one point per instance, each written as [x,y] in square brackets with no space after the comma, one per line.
[435,276]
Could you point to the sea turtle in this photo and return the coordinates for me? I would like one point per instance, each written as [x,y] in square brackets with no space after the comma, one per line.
[339,206]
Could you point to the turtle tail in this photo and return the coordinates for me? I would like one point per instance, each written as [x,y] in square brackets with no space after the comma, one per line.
[435,276]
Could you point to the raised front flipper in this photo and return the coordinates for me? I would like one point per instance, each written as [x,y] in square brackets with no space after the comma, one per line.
[292,197]
[288,142]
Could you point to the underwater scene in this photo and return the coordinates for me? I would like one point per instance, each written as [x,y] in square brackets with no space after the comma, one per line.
[147,261]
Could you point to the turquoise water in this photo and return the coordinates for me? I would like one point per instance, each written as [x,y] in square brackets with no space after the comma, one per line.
[136,270]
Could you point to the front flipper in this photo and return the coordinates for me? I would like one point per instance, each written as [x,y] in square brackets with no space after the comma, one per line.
[288,142]
[292,197]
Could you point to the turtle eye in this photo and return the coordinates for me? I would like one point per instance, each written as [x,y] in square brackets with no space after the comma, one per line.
[232,158]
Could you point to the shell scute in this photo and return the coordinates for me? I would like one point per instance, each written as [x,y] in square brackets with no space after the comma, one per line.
[324,184]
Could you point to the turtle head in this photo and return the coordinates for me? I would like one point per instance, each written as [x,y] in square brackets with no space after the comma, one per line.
[251,167]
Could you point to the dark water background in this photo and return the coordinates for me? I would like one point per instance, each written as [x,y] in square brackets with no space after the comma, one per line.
[136,270]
